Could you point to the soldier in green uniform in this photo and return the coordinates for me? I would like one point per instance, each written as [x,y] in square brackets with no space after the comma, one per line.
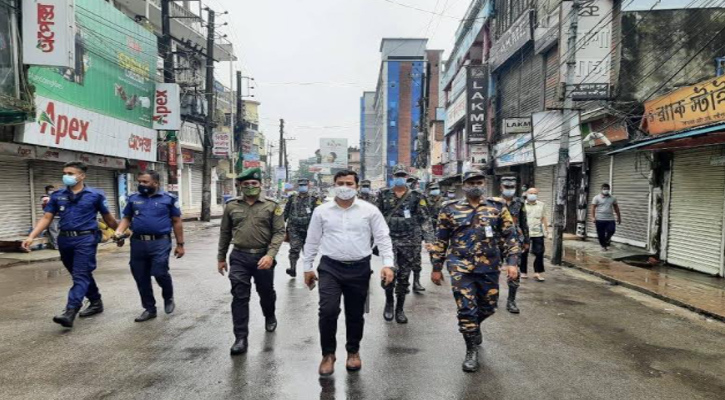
[435,202]
[406,212]
[366,192]
[297,215]
[475,236]
[517,209]
[255,226]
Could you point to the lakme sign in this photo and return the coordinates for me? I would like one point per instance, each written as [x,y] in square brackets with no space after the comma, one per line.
[476,111]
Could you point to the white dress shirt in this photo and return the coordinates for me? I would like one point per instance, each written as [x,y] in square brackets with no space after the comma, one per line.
[343,234]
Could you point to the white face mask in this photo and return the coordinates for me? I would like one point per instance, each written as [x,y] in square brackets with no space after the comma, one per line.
[345,192]
[605,192]
[531,197]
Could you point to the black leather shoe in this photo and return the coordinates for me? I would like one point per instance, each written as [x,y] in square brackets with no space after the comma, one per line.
[389,306]
[145,316]
[66,319]
[270,324]
[291,272]
[511,307]
[95,307]
[399,312]
[239,347]
[417,287]
[470,363]
[169,306]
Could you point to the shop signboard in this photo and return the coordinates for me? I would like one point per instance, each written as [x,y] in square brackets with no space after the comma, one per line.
[511,41]
[516,125]
[333,152]
[514,149]
[48,38]
[476,89]
[187,156]
[546,135]
[222,144]
[455,112]
[167,107]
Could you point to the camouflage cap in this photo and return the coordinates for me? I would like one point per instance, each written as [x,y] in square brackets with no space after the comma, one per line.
[365,182]
[303,181]
[433,185]
[473,174]
[508,181]
[250,174]
[400,169]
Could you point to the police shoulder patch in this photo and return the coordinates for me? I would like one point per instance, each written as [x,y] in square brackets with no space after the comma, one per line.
[176,204]
[318,202]
[278,211]
[422,202]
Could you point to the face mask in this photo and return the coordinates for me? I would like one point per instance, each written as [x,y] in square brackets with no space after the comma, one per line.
[146,190]
[399,181]
[303,189]
[345,192]
[473,191]
[251,191]
[605,192]
[365,190]
[509,193]
[435,192]
[531,197]
[50,192]
[70,180]
[451,195]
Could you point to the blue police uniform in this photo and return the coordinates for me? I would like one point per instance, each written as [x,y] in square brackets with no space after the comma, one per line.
[79,237]
[151,243]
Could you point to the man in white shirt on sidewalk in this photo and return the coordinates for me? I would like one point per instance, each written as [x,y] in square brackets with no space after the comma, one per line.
[340,232]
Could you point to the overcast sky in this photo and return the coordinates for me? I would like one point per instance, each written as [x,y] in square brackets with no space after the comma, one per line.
[312,59]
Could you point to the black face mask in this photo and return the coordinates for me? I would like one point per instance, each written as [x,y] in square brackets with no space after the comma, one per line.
[146,190]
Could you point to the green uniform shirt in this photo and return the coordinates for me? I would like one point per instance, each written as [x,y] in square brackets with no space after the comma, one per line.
[259,226]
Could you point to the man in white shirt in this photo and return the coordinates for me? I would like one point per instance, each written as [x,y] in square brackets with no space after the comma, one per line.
[340,232]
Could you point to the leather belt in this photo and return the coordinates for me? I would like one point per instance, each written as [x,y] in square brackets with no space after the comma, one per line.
[76,233]
[250,251]
[355,262]
[147,238]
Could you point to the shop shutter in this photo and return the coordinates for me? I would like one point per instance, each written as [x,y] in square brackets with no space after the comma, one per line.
[630,185]
[105,180]
[544,181]
[196,177]
[696,211]
[598,175]
[45,173]
[552,75]
[15,201]
[509,91]
[530,91]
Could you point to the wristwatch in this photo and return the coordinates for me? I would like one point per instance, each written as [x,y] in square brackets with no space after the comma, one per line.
[180,244]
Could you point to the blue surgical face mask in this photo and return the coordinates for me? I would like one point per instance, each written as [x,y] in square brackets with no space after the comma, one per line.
[303,189]
[435,192]
[399,181]
[365,190]
[509,193]
[70,180]
[451,195]
[531,197]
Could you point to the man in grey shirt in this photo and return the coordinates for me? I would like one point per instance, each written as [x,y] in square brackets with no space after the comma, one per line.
[604,206]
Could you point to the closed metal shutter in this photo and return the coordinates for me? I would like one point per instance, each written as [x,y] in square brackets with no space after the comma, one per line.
[45,173]
[630,185]
[197,173]
[544,181]
[696,211]
[552,75]
[530,91]
[15,199]
[598,175]
[105,180]
[509,91]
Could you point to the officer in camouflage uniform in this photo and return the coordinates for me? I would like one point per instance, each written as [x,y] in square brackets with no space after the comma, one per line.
[475,236]
[366,192]
[435,202]
[297,215]
[518,212]
[406,213]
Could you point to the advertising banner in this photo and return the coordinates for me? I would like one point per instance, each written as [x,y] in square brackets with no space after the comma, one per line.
[251,164]
[114,70]
[455,112]
[333,152]
[548,128]
[65,126]
[187,156]
[476,89]
[222,144]
[514,149]
[478,156]
[48,33]
[167,107]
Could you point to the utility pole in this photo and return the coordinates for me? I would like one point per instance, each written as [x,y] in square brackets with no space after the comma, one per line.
[208,126]
[569,125]
[240,127]
[172,142]
[281,152]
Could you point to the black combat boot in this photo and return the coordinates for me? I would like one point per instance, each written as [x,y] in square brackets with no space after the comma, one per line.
[511,302]
[479,336]
[292,270]
[389,305]
[239,347]
[417,287]
[470,364]
[66,319]
[399,312]
[95,307]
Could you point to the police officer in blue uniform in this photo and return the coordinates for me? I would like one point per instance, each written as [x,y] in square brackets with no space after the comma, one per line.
[77,205]
[152,214]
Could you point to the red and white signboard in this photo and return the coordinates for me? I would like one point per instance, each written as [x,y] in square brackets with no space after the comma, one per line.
[61,125]
[167,107]
[251,164]
[222,144]
[49,33]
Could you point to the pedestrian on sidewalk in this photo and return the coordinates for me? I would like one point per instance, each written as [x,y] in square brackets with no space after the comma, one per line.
[406,213]
[475,236]
[604,206]
[340,232]
[53,229]
[77,205]
[152,214]
[538,231]
[255,226]
[517,209]
[297,215]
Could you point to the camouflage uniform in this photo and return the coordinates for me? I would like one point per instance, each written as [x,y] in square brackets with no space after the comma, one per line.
[369,197]
[518,213]
[407,224]
[297,215]
[435,204]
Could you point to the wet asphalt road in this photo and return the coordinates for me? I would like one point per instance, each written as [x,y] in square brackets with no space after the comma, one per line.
[577,337]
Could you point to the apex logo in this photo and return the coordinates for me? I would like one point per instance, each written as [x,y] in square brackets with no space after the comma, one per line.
[62,125]
[161,112]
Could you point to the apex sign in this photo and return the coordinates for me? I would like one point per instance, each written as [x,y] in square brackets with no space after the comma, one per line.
[62,125]
[167,107]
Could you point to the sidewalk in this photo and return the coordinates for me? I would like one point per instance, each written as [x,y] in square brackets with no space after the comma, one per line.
[695,291]
[8,259]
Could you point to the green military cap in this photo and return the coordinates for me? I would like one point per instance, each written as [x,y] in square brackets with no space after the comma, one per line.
[250,174]
[508,181]
[400,169]
[473,174]
[365,182]
[303,181]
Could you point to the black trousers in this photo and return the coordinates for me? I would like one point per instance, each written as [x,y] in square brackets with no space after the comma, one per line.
[351,281]
[605,231]
[242,268]
[537,249]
